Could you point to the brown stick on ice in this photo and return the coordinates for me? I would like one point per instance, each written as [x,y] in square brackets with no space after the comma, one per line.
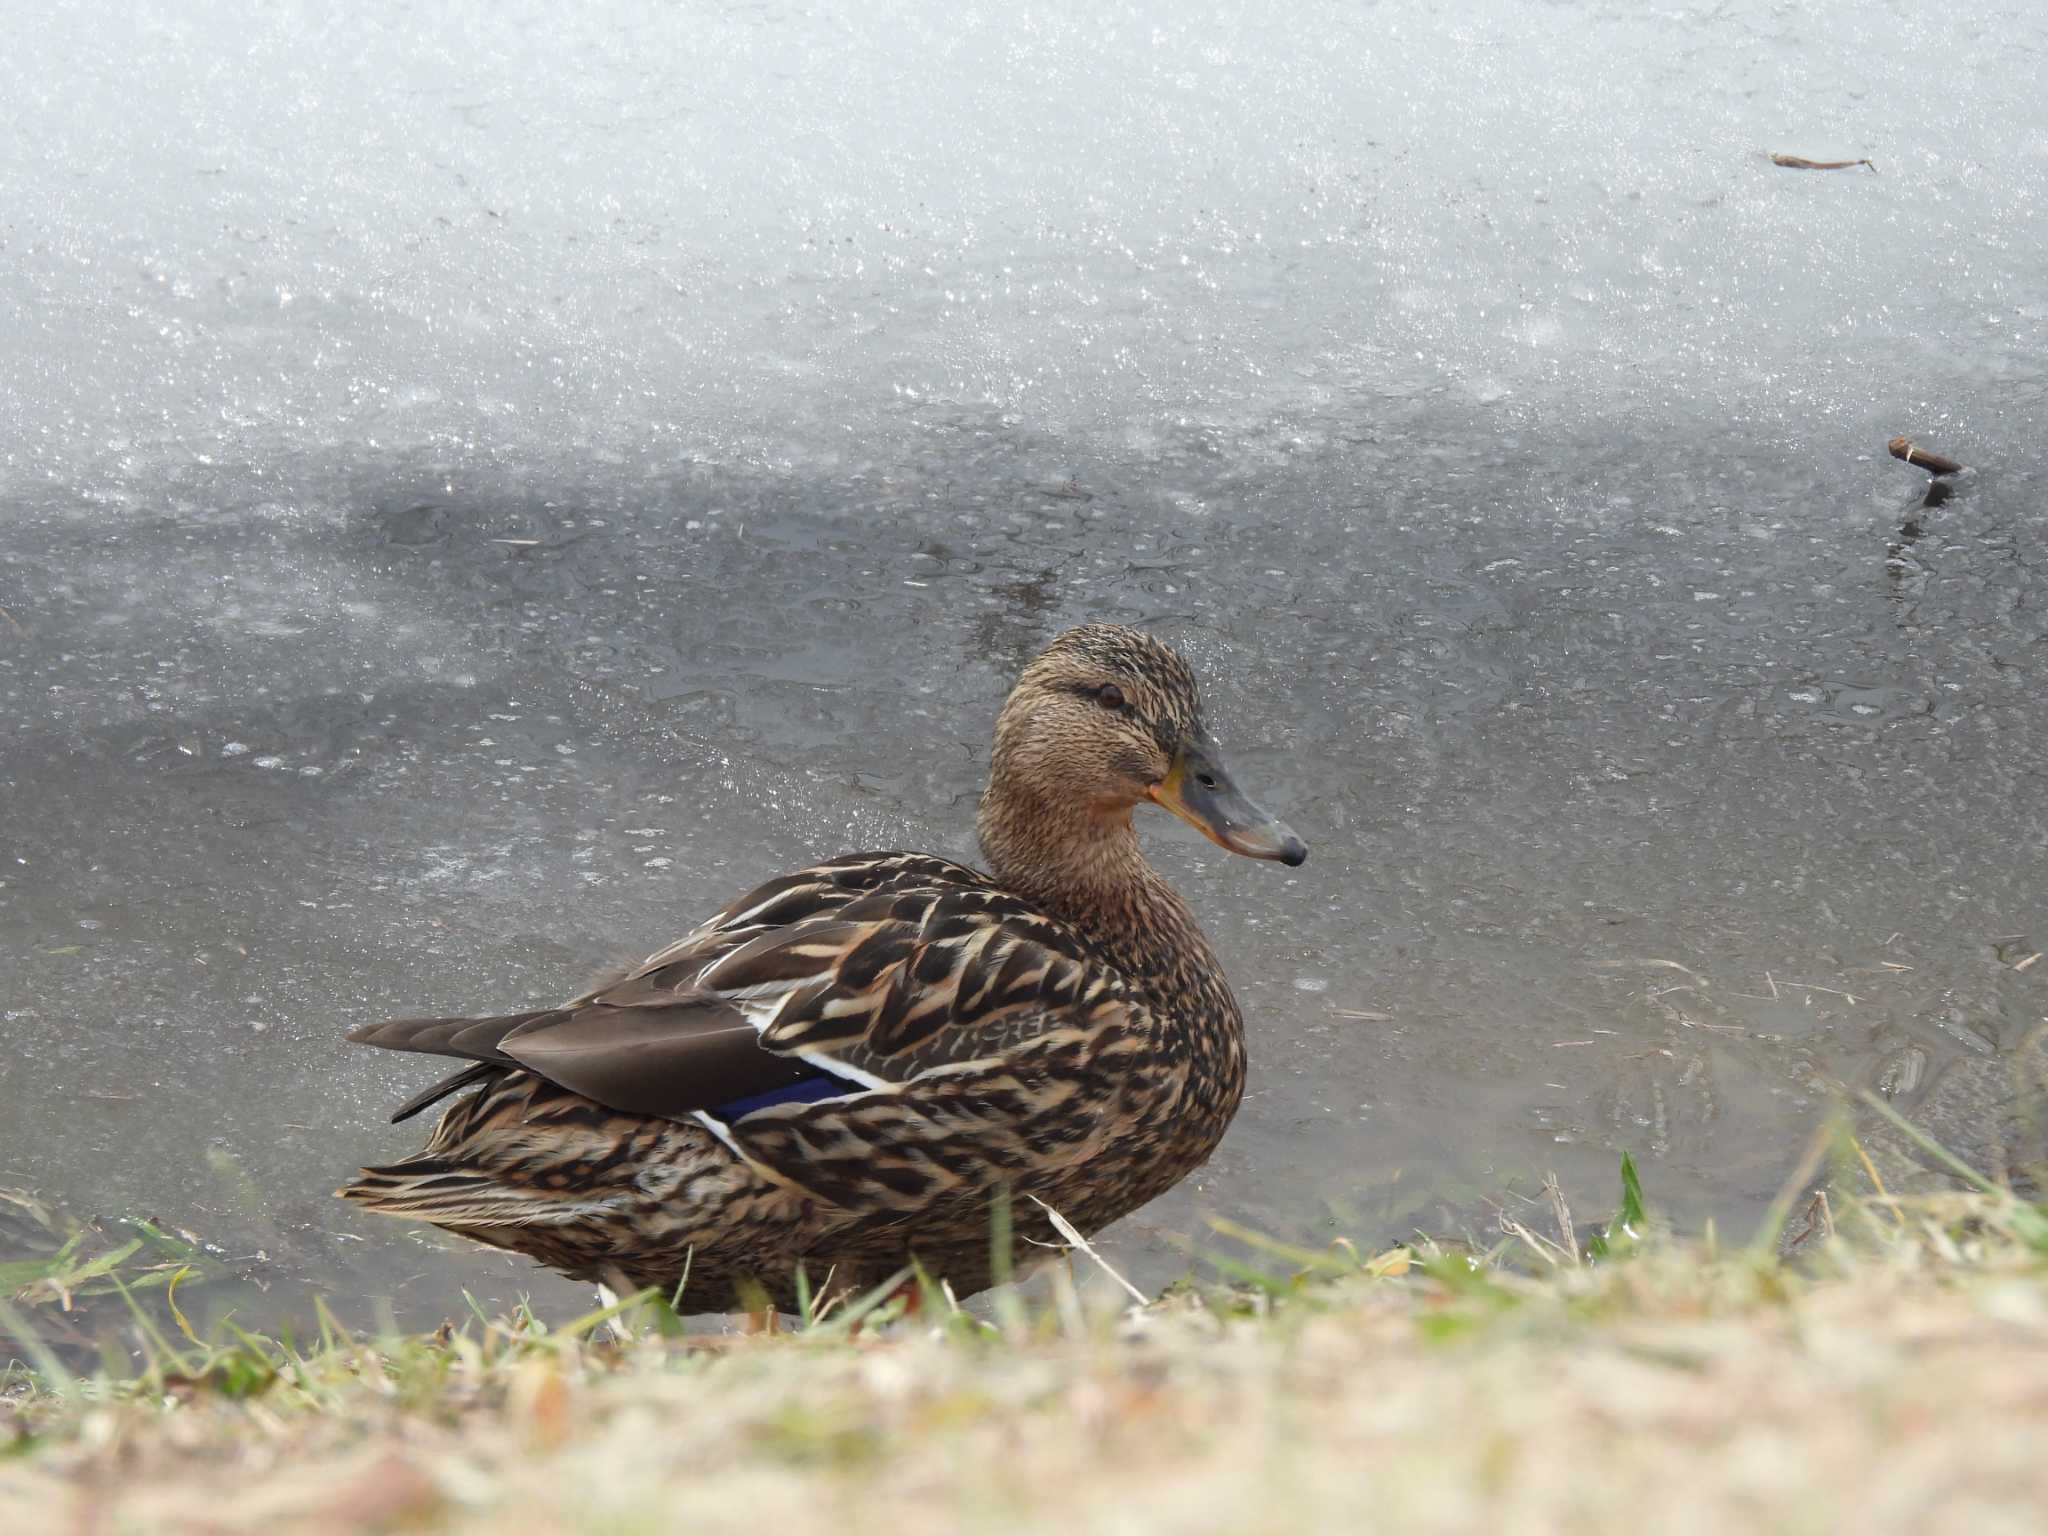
[1933,463]
[1801,163]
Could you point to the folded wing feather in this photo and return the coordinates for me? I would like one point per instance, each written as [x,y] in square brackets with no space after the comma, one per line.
[872,968]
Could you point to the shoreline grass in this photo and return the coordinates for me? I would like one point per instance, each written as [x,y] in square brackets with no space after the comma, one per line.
[1893,1374]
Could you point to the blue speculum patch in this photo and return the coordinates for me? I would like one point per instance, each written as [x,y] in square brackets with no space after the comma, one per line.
[805,1090]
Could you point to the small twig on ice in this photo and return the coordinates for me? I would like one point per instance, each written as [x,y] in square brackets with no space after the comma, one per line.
[1933,463]
[1801,163]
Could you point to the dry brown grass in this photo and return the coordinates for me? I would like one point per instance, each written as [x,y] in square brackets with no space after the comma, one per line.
[1893,1377]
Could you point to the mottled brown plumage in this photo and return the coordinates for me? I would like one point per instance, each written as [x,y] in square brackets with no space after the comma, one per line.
[845,1067]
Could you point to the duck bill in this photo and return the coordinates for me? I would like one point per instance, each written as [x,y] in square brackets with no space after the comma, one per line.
[1198,789]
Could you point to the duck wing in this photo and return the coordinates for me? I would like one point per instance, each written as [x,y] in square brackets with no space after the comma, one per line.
[840,979]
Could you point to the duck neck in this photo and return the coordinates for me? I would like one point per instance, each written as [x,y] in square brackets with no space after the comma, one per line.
[1088,870]
[1085,867]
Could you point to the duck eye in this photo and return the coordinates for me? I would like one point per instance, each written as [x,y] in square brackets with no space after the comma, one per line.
[1109,696]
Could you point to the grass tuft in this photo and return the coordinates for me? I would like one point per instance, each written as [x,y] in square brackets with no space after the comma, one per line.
[1885,1372]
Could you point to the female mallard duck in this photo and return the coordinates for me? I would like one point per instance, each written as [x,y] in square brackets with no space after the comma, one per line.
[842,1070]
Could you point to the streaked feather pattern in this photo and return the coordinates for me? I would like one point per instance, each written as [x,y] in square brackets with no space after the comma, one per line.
[838,1071]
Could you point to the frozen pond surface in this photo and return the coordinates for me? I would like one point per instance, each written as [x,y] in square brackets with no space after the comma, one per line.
[477,490]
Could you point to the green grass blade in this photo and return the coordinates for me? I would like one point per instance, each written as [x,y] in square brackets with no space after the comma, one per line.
[590,1320]
[867,1303]
[104,1264]
[1319,1261]
[40,1355]
[1628,1225]
[153,1336]
[1632,1213]
[1931,1147]
[1007,1305]
[1002,1238]
[1249,1274]
[171,1301]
